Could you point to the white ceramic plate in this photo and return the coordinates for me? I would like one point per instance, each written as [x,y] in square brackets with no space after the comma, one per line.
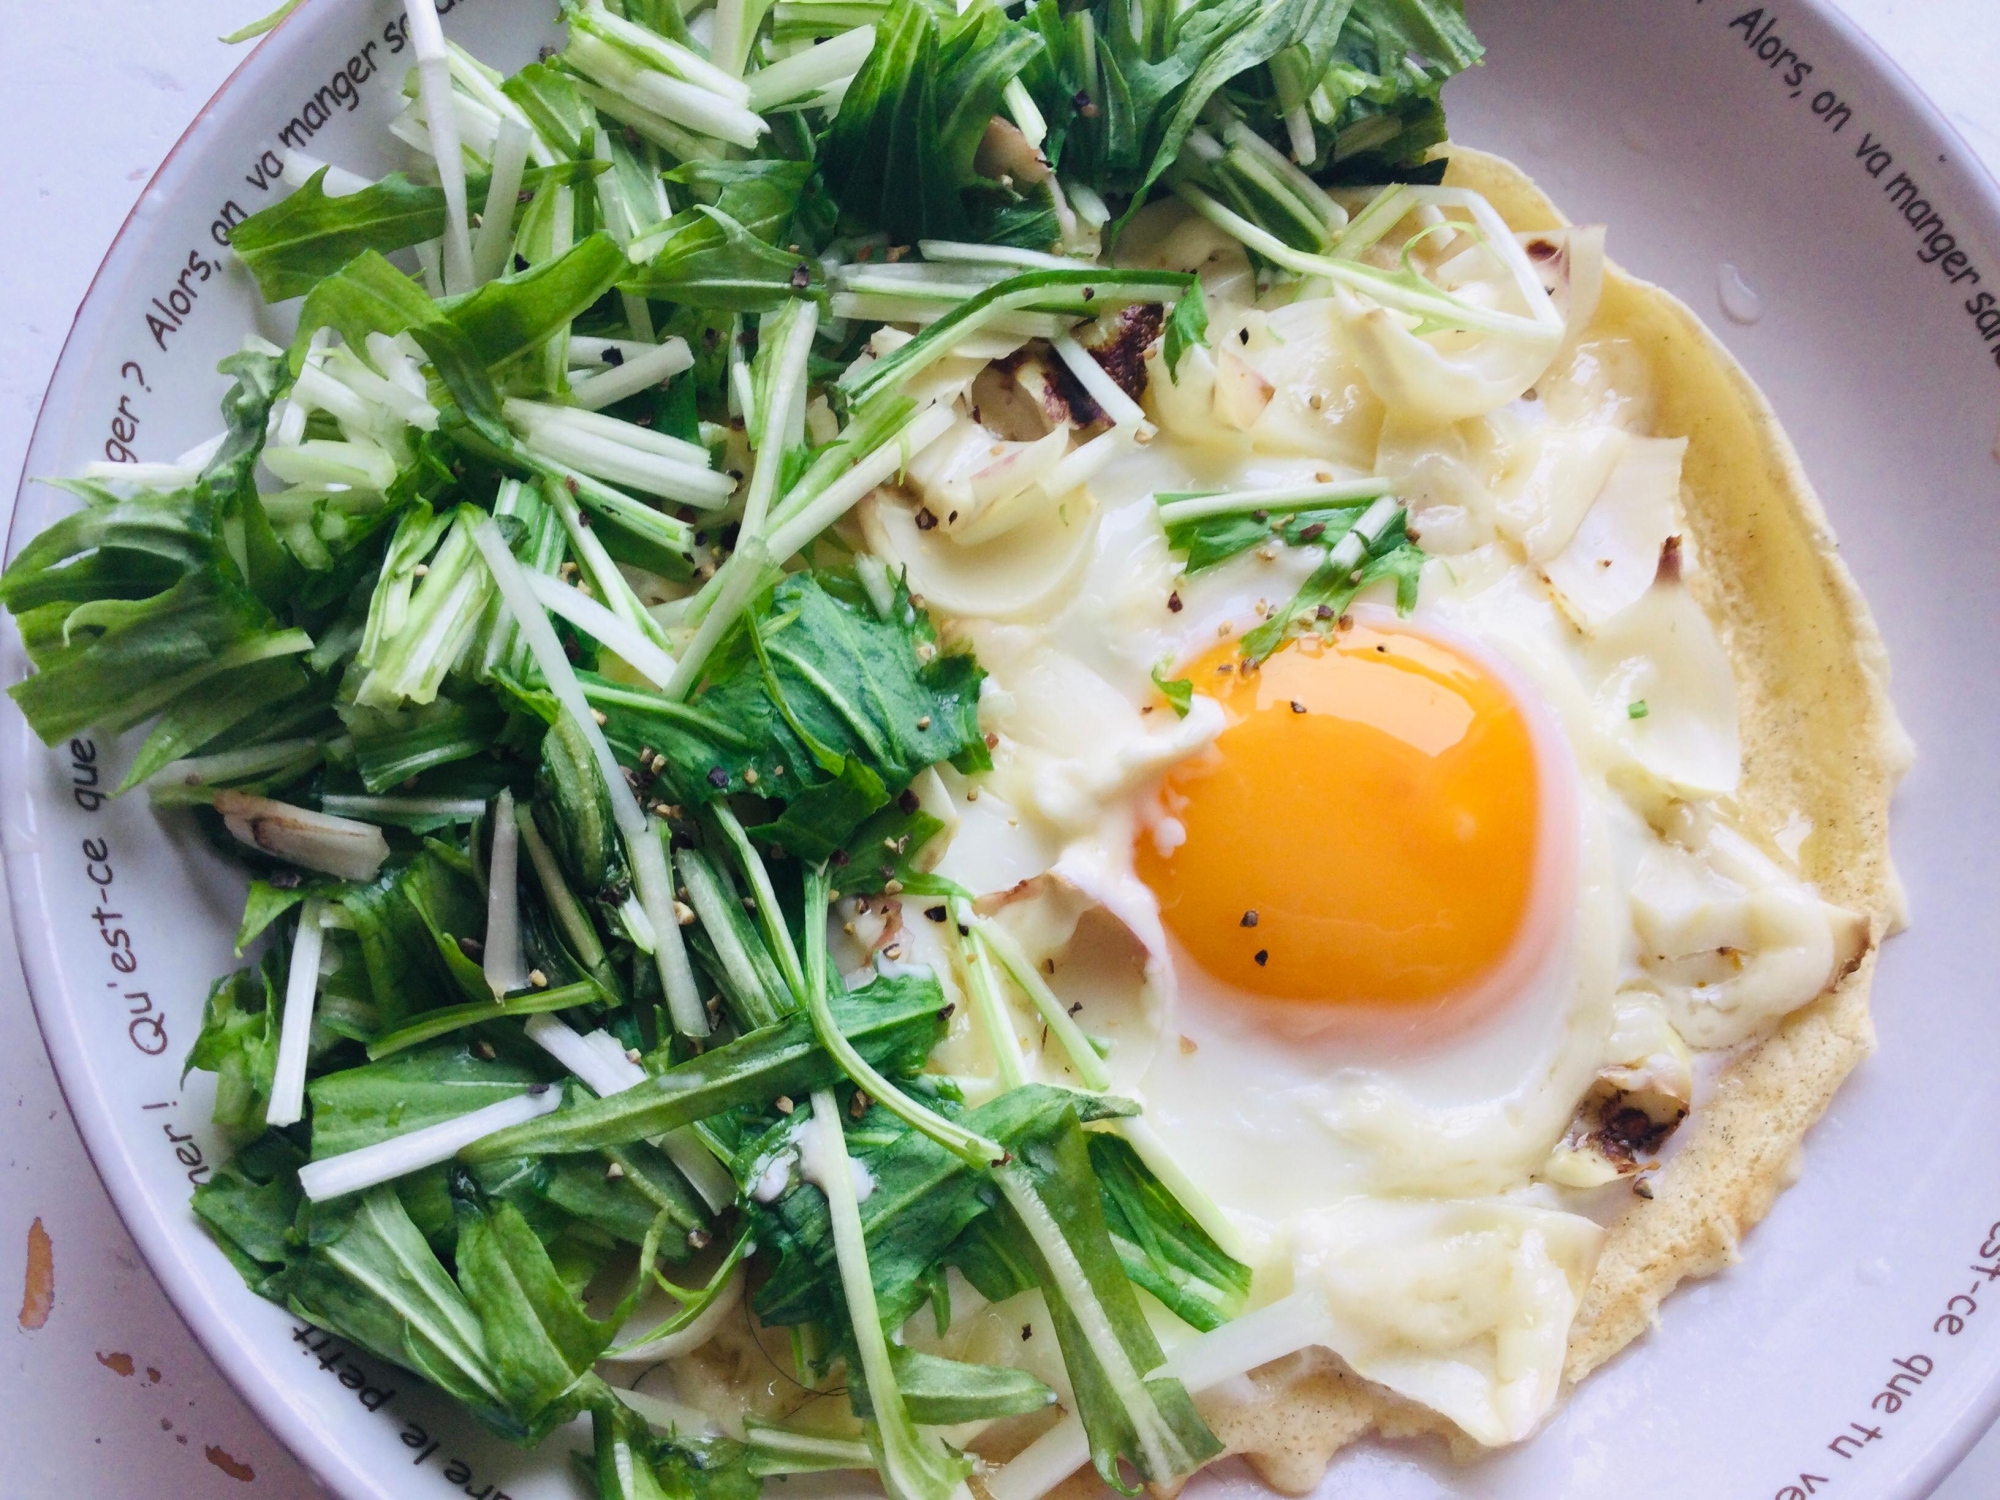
[1763,162]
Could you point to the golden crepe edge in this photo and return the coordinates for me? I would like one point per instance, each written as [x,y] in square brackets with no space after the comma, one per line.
[1820,741]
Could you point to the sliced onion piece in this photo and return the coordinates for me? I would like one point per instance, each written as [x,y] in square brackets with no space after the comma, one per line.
[1571,263]
[969,480]
[1006,578]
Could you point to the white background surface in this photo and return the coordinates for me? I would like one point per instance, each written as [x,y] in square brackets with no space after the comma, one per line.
[112,1399]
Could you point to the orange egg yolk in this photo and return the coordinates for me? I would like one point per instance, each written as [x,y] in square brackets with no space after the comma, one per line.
[1364,832]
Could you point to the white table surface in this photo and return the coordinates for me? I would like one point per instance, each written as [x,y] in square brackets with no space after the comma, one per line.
[112,1399]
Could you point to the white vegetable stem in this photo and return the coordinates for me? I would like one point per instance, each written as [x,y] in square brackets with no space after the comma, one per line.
[496,222]
[391,394]
[996,1019]
[568,911]
[441,117]
[1162,1449]
[642,836]
[599,1060]
[505,965]
[968,253]
[595,620]
[605,1072]
[1083,1057]
[825,1162]
[685,1340]
[375,809]
[1021,105]
[1352,548]
[620,453]
[206,770]
[600,568]
[805,73]
[146,476]
[537,416]
[691,105]
[787,402]
[731,44]
[659,362]
[737,584]
[1276,499]
[659,52]
[1541,324]
[350,1172]
[288,1080]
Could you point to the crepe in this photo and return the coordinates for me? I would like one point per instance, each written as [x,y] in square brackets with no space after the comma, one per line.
[1821,742]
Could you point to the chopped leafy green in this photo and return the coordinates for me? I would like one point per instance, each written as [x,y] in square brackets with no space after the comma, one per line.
[540,1343]
[1324,597]
[367,295]
[239,1042]
[409,922]
[1129,1414]
[130,609]
[114,663]
[1158,1242]
[923,1197]
[764,196]
[704,258]
[358,1107]
[433,1024]
[902,148]
[1216,539]
[893,1022]
[500,321]
[630,1463]
[506,318]
[250,1205]
[944,1392]
[817,702]
[294,244]
[549,99]
[1187,328]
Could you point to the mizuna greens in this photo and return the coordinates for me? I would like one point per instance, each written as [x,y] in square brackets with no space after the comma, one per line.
[513,636]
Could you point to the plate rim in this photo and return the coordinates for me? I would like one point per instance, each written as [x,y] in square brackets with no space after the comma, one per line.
[164,1244]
